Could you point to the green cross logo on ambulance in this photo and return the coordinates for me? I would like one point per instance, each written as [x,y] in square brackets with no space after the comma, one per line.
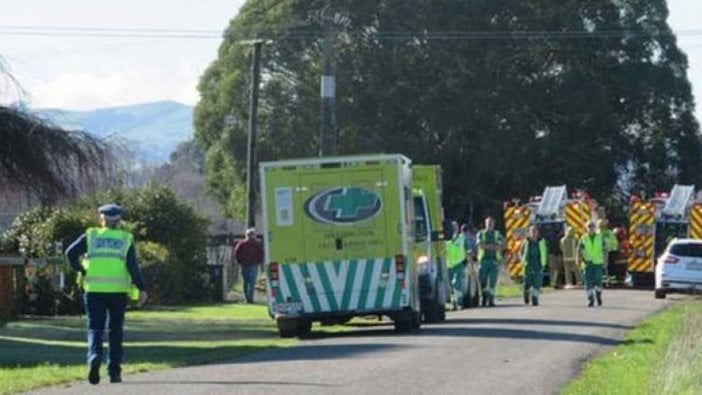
[343,206]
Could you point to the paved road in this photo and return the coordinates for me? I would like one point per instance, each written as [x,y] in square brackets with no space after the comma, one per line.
[509,349]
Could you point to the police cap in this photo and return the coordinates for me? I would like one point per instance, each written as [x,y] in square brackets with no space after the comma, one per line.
[111,211]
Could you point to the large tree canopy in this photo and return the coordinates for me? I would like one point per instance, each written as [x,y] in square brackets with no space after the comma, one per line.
[507,95]
[47,160]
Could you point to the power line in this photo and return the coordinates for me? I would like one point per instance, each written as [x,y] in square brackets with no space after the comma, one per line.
[462,35]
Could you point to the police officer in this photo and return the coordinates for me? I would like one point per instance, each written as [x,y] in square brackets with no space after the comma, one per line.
[591,255]
[456,263]
[109,269]
[489,256]
[534,256]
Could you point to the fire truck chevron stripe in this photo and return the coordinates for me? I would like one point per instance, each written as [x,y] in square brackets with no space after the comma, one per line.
[514,269]
[341,286]
[696,221]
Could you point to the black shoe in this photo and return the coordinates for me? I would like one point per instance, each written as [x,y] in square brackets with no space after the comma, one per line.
[591,301]
[599,298]
[115,379]
[491,302]
[526,297]
[484,302]
[535,300]
[94,373]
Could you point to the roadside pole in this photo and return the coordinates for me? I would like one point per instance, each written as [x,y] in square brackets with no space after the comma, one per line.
[251,146]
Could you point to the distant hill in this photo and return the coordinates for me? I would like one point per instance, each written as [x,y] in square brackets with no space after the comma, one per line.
[154,128]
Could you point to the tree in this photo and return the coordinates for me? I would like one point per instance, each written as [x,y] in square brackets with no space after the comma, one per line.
[508,96]
[45,159]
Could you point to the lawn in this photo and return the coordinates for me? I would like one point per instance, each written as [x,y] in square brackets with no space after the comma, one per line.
[45,351]
[663,355]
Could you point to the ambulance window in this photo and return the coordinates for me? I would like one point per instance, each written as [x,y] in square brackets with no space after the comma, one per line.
[420,221]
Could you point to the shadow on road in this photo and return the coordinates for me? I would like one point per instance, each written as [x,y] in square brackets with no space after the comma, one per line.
[313,352]
[521,334]
[227,383]
[520,321]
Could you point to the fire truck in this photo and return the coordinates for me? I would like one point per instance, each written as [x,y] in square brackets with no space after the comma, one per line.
[653,223]
[550,212]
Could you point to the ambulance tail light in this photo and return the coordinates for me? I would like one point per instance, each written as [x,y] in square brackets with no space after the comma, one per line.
[274,276]
[400,267]
[273,270]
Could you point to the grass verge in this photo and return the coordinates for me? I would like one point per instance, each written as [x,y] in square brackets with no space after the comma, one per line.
[38,352]
[662,355]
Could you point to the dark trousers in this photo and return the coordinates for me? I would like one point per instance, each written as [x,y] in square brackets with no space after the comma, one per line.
[101,309]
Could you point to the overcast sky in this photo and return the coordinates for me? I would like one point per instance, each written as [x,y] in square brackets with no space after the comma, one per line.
[82,73]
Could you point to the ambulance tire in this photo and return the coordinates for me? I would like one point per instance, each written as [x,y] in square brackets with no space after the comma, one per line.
[436,312]
[287,328]
[407,321]
[304,328]
[403,325]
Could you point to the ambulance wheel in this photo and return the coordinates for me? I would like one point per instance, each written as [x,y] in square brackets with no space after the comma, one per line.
[287,327]
[403,325]
[304,328]
[436,312]
[659,293]
[406,321]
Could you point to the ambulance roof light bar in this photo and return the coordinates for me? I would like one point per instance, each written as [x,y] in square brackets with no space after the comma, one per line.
[551,201]
[680,198]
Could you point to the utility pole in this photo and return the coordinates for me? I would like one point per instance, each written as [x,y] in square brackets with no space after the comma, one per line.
[251,146]
[328,89]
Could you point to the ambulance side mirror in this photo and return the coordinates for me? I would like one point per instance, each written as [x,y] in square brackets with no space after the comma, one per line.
[438,236]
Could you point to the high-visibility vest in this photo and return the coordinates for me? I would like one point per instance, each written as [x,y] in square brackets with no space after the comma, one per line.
[106,261]
[593,248]
[483,239]
[456,251]
[543,252]
[610,240]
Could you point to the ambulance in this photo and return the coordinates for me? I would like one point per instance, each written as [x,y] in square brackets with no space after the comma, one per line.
[429,249]
[339,236]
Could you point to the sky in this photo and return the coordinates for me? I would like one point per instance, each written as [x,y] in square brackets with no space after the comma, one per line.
[94,71]
[84,73]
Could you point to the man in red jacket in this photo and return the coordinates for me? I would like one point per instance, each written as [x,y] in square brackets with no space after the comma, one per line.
[249,254]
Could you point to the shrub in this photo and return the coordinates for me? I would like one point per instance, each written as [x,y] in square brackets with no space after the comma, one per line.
[169,234]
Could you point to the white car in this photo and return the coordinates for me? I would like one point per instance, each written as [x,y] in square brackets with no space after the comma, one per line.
[679,268]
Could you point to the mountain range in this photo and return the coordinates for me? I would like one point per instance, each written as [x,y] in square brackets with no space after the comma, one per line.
[151,130]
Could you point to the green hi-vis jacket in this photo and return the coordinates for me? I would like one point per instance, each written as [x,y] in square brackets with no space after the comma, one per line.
[455,251]
[592,248]
[543,252]
[610,240]
[493,238]
[106,261]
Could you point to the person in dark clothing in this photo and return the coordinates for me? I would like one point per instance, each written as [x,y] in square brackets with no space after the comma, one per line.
[534,255]
[108,268]
[552,232]
[249,254]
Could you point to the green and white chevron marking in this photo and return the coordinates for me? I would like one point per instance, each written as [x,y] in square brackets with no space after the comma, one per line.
[341,286]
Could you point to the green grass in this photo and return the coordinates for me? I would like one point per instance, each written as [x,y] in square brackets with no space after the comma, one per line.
[508,290]
[45,351]
[663,355]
